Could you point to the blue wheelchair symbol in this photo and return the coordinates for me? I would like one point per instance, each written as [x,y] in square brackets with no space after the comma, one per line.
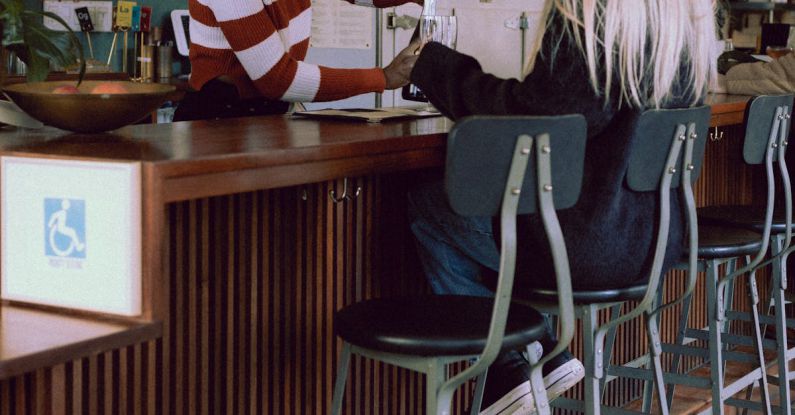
[65,228]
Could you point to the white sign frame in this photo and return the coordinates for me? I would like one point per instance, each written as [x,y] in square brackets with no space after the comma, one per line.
[45,204]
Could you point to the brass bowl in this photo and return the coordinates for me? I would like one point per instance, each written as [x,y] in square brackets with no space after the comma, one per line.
[87,112]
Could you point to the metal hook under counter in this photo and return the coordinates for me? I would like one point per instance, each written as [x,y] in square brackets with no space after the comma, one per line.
[716,135]
[345,196]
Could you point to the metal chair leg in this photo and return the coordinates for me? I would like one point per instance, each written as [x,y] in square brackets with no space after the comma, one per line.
[477,399]
[610,340]
[776,308]
[537,385]
[434,377]
[680,341]
[648,388]
[655,350]
[753,293]
[342,375]
[784,375]
[728,303]
[715,341]
[593,399]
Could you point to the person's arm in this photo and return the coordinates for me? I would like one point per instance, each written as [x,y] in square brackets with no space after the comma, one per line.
[775,77]
[457,86]
[253,37]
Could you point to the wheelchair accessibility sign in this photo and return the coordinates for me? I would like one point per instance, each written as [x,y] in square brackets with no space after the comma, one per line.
[65,228]
[70,234]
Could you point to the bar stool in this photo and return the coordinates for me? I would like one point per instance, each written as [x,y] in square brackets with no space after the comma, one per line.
[720,244]
[766,132]
[495,165]
[668,150]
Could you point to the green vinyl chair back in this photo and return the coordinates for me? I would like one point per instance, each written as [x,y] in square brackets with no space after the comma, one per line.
[669,131]
[759,125]
[478,159]
[652,137]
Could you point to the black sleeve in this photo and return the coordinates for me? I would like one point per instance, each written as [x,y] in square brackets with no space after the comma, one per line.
[456,85]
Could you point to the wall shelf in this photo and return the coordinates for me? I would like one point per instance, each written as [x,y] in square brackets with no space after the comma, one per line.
[743,6]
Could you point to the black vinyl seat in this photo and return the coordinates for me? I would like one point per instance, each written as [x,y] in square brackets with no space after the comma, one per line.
[726,242]
[744,216]
[433,325]
[582,297]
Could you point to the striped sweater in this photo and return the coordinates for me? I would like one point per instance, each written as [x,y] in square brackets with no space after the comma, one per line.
[261,45]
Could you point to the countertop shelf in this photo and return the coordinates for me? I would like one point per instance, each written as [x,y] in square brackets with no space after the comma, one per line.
[31,339]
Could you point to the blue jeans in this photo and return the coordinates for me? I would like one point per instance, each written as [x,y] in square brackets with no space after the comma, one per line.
[455,249]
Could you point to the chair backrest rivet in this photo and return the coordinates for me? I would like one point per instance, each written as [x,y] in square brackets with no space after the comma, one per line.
[546,149]
[691,167]
[547,187]
[672,170]
[682,137]
[515,191]
[525,151]
[693,136]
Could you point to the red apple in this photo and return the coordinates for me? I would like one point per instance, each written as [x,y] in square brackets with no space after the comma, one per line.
[65,90]
[109,88]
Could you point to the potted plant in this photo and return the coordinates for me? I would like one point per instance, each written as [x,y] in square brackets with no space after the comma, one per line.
[24,33]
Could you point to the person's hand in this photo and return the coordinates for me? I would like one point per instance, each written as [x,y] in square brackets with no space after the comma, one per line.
[398,71]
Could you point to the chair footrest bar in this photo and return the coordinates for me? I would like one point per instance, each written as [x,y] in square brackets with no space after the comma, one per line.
[690,351]
[763,319]
[743,404]
[568,404]
[729,338]
[579,406]
[668,378]
[773,380]
[735,356]
[744,316]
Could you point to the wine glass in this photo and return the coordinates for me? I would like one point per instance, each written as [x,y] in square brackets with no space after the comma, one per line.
[436,28]
[442,29]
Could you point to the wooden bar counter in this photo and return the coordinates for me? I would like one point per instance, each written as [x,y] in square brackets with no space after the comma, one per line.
[246,257]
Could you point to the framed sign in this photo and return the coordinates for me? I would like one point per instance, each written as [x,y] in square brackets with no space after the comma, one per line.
[71,234]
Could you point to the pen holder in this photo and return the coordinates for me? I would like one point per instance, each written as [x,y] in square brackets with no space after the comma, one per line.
[146,63]
[164,61]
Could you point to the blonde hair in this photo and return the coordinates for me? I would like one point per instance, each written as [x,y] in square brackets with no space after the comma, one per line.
[648,44]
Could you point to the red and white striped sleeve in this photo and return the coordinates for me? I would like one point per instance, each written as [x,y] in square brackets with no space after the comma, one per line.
[262,49]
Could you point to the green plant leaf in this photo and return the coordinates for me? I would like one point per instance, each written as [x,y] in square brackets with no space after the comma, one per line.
[12,23]
[25,34]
